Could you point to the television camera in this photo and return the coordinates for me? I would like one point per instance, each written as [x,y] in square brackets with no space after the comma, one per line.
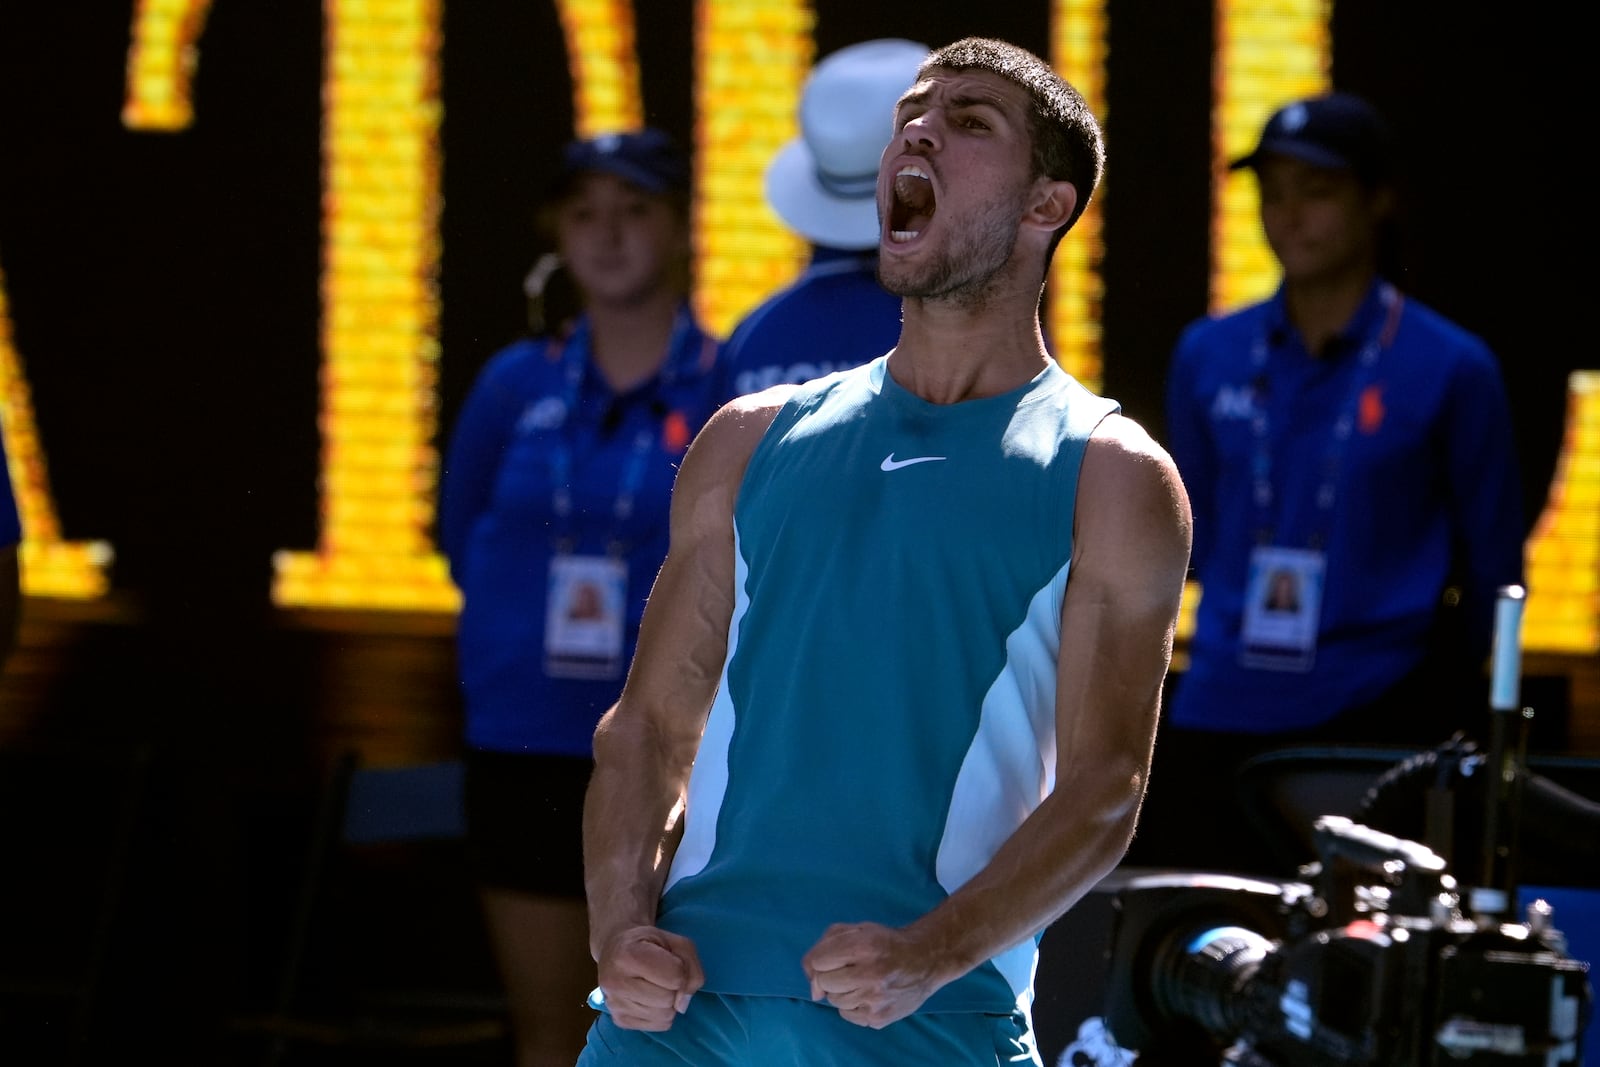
[1377,956]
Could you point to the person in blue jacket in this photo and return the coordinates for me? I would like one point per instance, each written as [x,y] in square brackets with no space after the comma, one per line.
[822,184]
[1345,439]
[553,516]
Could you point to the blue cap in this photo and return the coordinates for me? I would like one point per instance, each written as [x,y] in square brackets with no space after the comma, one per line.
[1340,131]
[647,158]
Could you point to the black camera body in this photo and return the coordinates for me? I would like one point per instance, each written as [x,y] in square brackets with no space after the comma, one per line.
[1375,960]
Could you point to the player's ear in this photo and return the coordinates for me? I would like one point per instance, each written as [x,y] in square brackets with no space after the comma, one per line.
[1052,203]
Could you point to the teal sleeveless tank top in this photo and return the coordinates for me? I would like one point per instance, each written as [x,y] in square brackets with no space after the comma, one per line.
[886,714]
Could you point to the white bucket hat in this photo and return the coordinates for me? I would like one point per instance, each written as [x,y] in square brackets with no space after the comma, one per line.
[824,182]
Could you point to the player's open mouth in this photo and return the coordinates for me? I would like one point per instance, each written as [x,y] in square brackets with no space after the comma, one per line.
[912,204]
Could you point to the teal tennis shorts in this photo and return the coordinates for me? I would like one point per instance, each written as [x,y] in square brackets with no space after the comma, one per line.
[727,1031]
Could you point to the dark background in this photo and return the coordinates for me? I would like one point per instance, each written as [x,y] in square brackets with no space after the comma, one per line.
[163,287]
[164,299]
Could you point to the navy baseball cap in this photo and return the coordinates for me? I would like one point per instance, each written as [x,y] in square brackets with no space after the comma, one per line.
[1337,130]
[648,158]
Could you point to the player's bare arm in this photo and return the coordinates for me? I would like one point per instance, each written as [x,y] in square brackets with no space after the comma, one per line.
[645,744]
[1130,554]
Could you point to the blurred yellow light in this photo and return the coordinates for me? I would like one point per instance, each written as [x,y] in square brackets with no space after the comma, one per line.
[1563,553]
[1072,315]
[380,315]
[605,70]
[1268,52]
[161,64]
[49,566]
[753,58]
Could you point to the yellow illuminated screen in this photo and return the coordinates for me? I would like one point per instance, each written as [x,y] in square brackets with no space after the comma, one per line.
[380,314]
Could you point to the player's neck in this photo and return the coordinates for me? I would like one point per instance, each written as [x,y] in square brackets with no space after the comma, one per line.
[948,353]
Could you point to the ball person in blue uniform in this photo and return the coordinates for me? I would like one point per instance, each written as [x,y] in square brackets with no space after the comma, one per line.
[899,676]
[553,516]
[1347,439]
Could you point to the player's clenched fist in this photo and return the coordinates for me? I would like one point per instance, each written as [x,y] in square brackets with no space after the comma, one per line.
[873,974]
[648,976]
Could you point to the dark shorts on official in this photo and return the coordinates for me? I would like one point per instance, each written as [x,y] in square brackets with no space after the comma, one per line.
[525,820]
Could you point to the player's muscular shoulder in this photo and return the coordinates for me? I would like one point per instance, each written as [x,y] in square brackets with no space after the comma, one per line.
[714,465]
[731,434]
[756,410]
[1130,487]
[1121,451]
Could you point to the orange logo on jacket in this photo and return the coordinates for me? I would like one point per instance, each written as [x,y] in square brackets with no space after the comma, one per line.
[675,432]
[1369,413]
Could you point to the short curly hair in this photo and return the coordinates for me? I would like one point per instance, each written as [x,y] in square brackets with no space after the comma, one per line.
[1068,144]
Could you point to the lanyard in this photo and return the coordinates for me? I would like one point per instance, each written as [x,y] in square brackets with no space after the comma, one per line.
[574,355]
[1261,429]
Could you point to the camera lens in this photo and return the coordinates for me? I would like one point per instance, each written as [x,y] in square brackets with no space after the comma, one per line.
[1205,977]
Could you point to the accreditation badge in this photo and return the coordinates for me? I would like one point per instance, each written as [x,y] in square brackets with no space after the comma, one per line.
[583,620]
[1282,607]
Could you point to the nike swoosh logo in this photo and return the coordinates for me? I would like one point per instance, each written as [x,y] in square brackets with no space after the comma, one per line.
[891,464]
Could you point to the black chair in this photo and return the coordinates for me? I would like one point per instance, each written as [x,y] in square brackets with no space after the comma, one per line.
[70,817]
[1284,791]
[386,954]
[1424,795]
